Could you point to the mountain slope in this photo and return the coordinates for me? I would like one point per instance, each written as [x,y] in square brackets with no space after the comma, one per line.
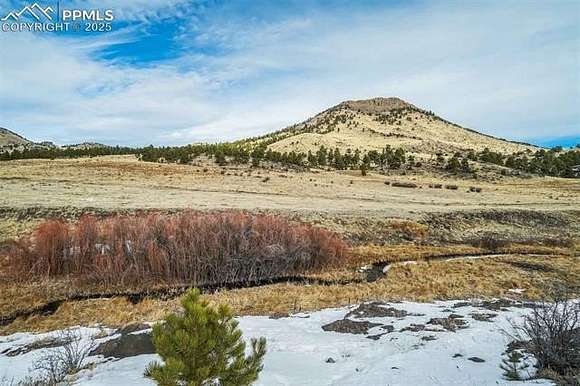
[10,138]
[374,123]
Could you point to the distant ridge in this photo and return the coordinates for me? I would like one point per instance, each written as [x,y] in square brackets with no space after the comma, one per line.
[10,138]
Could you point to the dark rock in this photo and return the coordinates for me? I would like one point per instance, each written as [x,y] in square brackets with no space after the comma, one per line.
[488,317]
[377,336]
[376,310]
[450,324]
[499,304]
[455,316]
[133,327]
[388,328]
[428,338]
[462,304]
[375,272]
[347,326]
[330,360]
[457,355]
[279,315]
[127,345]
[476,359]
[414,328]
[49,342]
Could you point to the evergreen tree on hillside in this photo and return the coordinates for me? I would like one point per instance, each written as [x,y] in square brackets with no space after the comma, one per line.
[364,167]
[465,166]
[453,165]
[203,347]
[321,155]
[220,158]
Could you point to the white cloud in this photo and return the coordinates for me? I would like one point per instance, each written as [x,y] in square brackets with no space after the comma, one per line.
[508,70]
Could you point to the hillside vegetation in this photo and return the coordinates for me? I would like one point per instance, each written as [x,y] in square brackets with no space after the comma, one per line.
[373,124]
[10,138]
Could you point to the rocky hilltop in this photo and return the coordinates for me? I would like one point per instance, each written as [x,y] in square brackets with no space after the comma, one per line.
[371,124]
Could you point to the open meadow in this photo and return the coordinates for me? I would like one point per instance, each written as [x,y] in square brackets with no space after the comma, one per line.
[524,231]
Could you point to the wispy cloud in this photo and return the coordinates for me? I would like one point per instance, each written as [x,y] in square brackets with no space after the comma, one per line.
[508,69]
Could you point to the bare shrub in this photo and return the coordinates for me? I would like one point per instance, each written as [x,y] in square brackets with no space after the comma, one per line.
[404,185]
[409,229]
[190,247]
[54,365]
[496,242]
[490,241]
[552,335]
[561,242]
[451,187]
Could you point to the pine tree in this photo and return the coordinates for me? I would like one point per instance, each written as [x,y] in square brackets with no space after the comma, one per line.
[465,166]
[220,158]
[204,347]
[364,167]
[453,165]
[512,367]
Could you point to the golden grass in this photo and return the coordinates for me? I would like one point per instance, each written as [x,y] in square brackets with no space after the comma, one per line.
[369,254]
[424,281]
[26,295]
[126,183]
[11,228]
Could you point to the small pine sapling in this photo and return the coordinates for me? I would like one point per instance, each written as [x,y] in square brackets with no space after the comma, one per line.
[204,346]
[512,366]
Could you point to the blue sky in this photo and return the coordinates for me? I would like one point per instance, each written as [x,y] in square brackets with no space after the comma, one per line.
[175,72]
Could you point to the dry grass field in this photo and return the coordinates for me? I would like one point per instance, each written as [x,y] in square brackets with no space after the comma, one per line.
[535,218]
[122,182]
[513,276]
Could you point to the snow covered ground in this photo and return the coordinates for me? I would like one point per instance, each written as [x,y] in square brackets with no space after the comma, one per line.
[440,343]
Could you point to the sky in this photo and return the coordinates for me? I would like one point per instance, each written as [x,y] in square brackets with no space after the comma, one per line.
[174,72]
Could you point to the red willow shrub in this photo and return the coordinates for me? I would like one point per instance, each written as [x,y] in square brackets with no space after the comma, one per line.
[188,248]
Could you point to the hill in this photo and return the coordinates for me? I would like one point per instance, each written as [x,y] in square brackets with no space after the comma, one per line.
[372,124]
[84,146]
[10,138]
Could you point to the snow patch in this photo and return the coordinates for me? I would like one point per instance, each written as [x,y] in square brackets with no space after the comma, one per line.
[300,352]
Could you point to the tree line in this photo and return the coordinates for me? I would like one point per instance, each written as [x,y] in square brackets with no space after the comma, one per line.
[237,153]
[56,152]
[553,162]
